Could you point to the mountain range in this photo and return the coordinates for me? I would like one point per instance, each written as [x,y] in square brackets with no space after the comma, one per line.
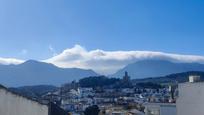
[172,78]
[156,68]
[33,72]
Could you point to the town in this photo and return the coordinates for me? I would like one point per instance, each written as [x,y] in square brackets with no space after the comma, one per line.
[122,97]
[125,99]
[101,57]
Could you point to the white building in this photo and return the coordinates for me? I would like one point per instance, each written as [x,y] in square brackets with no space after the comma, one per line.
[191,98]
[13,104]
[160,109]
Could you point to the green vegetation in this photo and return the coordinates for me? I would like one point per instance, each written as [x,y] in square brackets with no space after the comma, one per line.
[97,81]
[92,110]
[102,81]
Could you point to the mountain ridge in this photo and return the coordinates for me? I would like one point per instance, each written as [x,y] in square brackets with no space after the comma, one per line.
[33,72]
[156,68]
[172,78]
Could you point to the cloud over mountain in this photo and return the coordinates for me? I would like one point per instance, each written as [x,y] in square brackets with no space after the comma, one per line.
[106,62]
[7,61]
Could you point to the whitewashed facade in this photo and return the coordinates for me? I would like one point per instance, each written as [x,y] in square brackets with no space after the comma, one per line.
[13,104]
[191,99]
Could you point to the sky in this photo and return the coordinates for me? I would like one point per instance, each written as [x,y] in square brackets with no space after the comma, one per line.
[44,29]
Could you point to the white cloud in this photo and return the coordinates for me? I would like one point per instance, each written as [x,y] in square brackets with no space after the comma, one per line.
[52,50]
[7,61]
[105,62]
[108,62]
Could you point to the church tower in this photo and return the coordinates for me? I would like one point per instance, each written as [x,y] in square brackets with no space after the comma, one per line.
[126,78]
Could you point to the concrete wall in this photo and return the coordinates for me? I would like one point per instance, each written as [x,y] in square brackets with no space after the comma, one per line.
[160,109]
[191,99]
[12,104]
[168,110]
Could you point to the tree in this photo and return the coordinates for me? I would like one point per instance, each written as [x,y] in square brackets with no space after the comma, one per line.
[92,110]
[97,81]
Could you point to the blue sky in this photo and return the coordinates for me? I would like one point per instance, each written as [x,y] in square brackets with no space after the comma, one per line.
[30,29]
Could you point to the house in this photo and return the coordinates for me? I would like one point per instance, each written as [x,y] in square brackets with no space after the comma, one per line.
[190,100]
[119,111]
[160,109]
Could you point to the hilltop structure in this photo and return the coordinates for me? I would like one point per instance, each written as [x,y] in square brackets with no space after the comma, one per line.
[126,78]
[126,81]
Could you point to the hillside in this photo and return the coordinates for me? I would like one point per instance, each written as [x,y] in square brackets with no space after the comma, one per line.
[172,78]
[36,73]
[34,91]
[155,68]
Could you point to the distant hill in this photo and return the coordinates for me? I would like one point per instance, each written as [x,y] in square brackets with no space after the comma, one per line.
[155,68]
[97,81]
[34,91]
[172,78]
[35,73]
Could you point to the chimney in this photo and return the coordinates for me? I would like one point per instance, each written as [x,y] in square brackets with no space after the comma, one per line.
[193,79]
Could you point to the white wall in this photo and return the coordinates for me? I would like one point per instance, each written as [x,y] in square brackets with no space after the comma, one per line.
[160,109]
[191,99]
[11,104]
[168,110]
